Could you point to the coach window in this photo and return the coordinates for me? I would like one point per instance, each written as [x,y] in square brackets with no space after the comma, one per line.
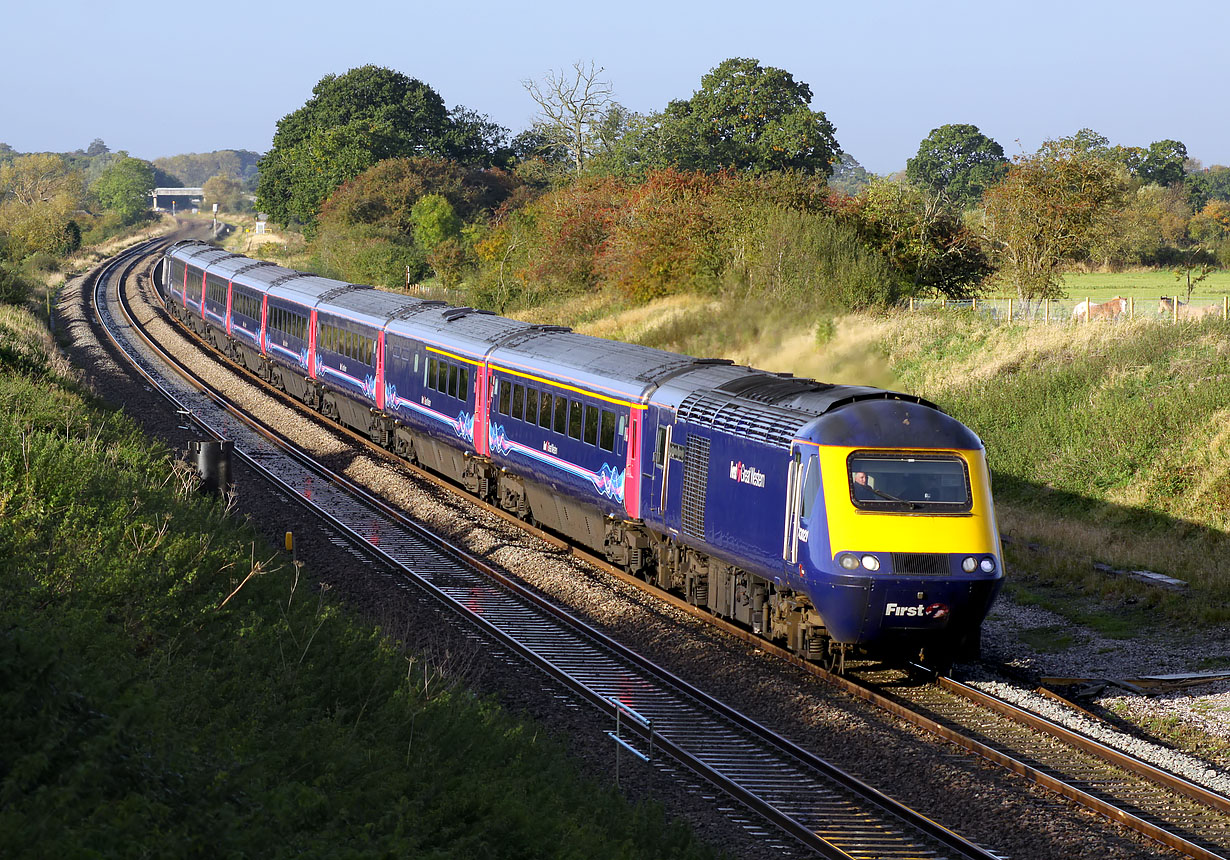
[544,417]
[574,419]
[591,425]
[463,385]
[607,442]
[452,380]
[432,367]
[531,406]
[518,403]
[561,414]
[505,393]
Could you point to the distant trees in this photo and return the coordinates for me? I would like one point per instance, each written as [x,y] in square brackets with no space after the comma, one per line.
[958,161]
[352,122]
[195,169]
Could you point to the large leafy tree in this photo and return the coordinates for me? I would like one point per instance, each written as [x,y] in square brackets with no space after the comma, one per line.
[38,196]
[124,186]
[354,121]
[744,116]
[958,161]
[1048,209]
[1162,163]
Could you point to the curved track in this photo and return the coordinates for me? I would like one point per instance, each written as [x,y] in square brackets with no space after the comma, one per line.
[1187,818]
[826,809]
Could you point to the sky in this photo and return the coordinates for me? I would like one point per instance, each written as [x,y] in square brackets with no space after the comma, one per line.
[160,79]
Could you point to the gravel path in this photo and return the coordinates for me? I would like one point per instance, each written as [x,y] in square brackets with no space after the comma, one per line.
[981,801]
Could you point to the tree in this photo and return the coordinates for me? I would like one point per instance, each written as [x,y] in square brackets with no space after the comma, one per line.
[958,161]
[38,195]
[1163,163]
[1047,209]
[474,138]
[570,108]
[351,122]
[97,147]
[923,240]
[849,177]
[124,187]
[226,191]
[753,118]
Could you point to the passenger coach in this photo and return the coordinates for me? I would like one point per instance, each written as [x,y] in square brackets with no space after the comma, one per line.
[827,517]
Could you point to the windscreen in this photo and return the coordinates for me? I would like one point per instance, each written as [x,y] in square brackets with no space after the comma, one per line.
[931,483]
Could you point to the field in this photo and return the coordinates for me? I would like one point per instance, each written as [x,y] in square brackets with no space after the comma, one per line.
[1144,286]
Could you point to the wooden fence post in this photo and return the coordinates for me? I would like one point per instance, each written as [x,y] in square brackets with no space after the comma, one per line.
[911,304]
[1048,311]
[1009,311]
[1131,307]
[1088,306]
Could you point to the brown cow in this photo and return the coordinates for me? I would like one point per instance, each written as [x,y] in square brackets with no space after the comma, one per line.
[1108,310]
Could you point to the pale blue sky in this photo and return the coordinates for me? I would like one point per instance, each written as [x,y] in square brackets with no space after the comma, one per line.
[160,79]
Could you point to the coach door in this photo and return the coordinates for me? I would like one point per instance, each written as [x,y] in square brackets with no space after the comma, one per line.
[657,467]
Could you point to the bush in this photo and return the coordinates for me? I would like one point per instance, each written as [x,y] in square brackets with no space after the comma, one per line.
[811,261]
[14,290]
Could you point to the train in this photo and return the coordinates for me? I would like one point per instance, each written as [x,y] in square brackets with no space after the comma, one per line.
[832,519]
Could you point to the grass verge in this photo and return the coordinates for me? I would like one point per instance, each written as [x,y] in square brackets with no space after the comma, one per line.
[169,686]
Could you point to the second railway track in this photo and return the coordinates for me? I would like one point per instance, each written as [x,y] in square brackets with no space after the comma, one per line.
[1192,854]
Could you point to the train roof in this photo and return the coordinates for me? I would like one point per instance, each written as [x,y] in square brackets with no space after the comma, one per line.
[623,369]
[466,332]
[310,290]
[374,308]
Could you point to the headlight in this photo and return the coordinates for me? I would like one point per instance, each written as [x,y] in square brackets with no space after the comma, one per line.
[871,562]
[849,562]
[988,565]
[970,564]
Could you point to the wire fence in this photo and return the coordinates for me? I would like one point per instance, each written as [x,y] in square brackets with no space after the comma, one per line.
[1081,310]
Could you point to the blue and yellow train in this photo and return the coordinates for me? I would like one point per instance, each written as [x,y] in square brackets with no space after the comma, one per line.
[826,517]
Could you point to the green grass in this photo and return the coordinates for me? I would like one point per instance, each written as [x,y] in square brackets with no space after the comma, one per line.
[1144,285]
[169,686]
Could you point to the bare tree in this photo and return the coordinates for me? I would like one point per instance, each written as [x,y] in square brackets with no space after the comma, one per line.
[571,105]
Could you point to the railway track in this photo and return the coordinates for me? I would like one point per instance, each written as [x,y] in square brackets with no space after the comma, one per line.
[1165,808]
[821,806]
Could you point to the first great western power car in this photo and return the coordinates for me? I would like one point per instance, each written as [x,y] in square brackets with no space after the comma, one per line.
[826,517]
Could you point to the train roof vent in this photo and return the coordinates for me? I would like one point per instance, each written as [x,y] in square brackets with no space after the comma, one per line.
[712,361]
[337,291]
[250,267]
[772,388]
[769,424]
[458,313]
[537,327]
[277,282]
[410,310]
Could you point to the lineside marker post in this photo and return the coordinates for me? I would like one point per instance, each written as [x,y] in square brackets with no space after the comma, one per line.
[1048,311]
[1009,311]
[1131,307]
[1088,308]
